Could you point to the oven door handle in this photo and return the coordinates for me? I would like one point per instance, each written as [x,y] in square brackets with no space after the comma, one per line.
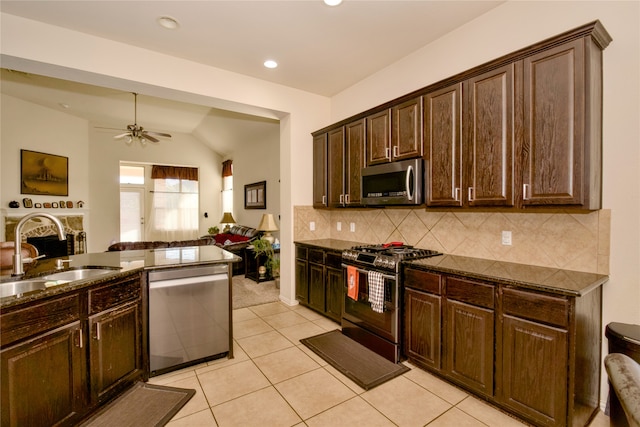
[360,270]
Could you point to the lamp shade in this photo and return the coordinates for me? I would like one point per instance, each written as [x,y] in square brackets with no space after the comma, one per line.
[267,223]
[227,218]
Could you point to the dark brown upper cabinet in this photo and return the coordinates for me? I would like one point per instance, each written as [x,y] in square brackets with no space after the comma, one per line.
[562,139]
[345,160]
[522,131]
[320,171]
[379,137]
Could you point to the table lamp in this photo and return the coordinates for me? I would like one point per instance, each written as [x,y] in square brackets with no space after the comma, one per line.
[227,219]
[268,224]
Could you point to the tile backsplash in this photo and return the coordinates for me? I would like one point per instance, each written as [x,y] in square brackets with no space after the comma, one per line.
[567,240]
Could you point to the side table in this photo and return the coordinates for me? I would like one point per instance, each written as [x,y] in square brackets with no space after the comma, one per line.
[251,265]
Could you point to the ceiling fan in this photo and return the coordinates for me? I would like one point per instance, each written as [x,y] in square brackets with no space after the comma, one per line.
[137,132]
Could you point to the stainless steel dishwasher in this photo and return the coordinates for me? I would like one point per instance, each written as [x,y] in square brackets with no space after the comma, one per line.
[188,316]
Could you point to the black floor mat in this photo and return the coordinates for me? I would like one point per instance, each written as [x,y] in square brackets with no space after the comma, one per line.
[361,365]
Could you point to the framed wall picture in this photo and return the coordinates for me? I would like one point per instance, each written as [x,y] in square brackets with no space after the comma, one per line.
[255,195]
[43,174]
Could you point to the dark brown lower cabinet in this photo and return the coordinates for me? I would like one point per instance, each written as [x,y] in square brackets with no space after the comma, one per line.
[534,354]
[43,379]
[62,357]
[319,280]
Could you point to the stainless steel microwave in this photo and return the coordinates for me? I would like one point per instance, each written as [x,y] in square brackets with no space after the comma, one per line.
[396,183]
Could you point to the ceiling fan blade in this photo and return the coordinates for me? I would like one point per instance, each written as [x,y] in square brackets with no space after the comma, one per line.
[146,136]
[163,135]
[122,135]
[101,127]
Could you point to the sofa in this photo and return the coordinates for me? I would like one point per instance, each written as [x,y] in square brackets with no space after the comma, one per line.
[624,381]
[234,241]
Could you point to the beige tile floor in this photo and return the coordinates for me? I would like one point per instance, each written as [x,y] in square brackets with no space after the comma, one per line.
[273,380]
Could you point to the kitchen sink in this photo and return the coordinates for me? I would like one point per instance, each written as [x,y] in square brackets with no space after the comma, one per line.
[79,274]
[19,287]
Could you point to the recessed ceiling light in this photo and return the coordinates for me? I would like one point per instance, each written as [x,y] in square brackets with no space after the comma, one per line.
[64,105]
[168,22]
[332,2]
[270,63]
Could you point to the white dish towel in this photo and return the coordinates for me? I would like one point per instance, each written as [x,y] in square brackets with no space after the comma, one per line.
[376,291]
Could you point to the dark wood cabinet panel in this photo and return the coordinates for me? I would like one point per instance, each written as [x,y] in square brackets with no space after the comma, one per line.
[316,287]
[335,167]
[302,281]
[469,345]
[443,146]
[488,129]
[422,328]
[114,350]
[406,130]
[533,372]
[320,171]
[334,297]
[354,162]
[43,379]
[378,127]
[562,126]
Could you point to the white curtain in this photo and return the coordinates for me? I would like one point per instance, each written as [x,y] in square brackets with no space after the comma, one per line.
[174,210]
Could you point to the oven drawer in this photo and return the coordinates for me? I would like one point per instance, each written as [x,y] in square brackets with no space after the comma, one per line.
[423,280]
[475,293]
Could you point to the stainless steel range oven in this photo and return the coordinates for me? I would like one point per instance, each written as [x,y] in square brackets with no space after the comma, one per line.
[373,300]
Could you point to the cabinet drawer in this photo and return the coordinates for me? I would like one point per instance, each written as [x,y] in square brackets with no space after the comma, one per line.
[316,256]
[423,280]
[38,318]
[301,252]
[475,293]
[538,307]
[112,294]
[333,260]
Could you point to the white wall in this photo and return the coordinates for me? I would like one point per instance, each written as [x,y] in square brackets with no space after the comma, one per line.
[515,25]
[259,163]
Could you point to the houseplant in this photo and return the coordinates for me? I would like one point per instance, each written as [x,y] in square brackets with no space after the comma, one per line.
[272,264]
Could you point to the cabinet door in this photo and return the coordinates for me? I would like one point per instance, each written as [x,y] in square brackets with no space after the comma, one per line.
[443,144]
[320,171]
[335,168]
[489,138]
[406,130]
[554,108]
[43,379]
[302,281]
[354,162]
[533,374]
[469,345]
[316,287]
[422,327]
[378,138]
[335,292]
[114,350]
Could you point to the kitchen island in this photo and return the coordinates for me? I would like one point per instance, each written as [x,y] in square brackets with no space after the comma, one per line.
[71,347]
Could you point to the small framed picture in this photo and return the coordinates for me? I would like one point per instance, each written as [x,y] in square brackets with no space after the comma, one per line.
[38,205]
[69,204]
[63,204]
[46,205]
[27,203]
[54,204]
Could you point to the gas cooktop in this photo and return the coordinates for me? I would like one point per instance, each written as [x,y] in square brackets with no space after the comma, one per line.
[385,256]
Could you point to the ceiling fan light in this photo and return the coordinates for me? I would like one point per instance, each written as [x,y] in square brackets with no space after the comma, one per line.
[270,63]
[332,2]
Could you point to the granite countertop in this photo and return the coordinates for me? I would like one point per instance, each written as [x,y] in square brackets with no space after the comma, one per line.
[124,263]
[331,244]
[553,280]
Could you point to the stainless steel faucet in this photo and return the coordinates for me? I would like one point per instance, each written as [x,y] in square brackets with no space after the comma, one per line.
[17,256]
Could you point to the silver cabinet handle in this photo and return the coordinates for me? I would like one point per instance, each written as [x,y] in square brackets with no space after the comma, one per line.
[342,199]
[525,191]
[387,153]
[346,199]
[395,151]
[324,200]
[80,338]
[457,194]
[470,195]
[98,331]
